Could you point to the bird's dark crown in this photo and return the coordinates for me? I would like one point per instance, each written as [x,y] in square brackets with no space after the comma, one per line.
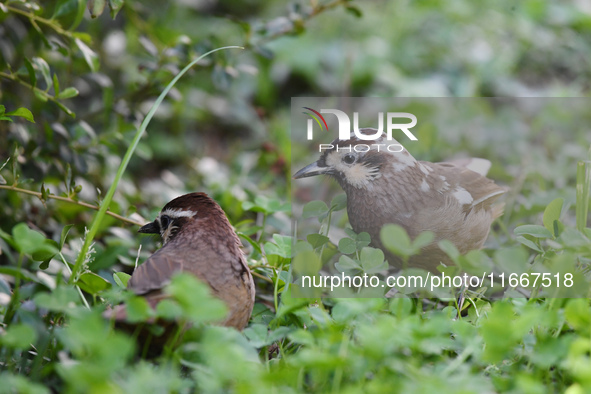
[192,204]
[179,212]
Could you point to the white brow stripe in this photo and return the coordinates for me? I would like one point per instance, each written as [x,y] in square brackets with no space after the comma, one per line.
[178,213]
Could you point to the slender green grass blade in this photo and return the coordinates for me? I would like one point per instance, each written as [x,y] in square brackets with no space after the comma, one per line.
[583,185]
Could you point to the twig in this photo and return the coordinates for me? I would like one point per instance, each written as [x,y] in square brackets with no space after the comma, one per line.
[43,93]
[72,201]
[316,10]
[261,276]
[35,18]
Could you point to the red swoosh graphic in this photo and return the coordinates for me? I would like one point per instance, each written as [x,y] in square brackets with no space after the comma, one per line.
[321,117]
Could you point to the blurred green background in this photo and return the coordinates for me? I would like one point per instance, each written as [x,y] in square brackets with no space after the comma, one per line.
[224,129]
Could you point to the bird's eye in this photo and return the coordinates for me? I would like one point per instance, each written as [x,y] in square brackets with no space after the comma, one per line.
[349,159]
[164,221]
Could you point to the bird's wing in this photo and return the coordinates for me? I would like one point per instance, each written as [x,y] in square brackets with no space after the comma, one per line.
[155,273]
[483,191]
[476,164]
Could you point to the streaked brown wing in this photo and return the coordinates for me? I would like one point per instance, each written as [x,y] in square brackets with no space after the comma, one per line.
[155,273]
[484,191]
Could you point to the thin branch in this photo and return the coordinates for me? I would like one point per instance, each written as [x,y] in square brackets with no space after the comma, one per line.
[261,276]
[70,200]
[42,92]
[316,10]
[35,18]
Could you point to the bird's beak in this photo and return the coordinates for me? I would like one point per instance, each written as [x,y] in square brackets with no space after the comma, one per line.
[150,228]
[311,170]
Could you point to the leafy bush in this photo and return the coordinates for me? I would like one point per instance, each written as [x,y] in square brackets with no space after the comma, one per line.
[76,82]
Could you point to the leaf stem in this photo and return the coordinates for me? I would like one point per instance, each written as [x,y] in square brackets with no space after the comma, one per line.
[10,310]
[72,201]
[35,18]
[261,276]
[76,286]
[41,92]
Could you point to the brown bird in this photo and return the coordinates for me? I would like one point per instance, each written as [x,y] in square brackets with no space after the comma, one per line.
[453,200]
[197,238]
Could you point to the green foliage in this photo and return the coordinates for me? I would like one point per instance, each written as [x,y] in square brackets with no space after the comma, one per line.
[75,84]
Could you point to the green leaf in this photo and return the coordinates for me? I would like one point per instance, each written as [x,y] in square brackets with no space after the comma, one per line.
[68,93]
[372,260]
[498,333]
[347,246]
[22,273]
[138,310]
[43,67]
[577,314]
[44,193]
[62,299]
[93,283]
[89,55]
[281,247]
[339,202]
[64,235]
[317,240]
[353,10]
[303,337]
[552,214]
[195,299]
[511,259]
[68,180]
[96,7]
[395,239]
[346,263]
[257,335]
[19,336]
[401,307]
[121,278]
[314,209]
[31,70]
[115,7]
[450,249]
[306,263]
[39,94]
[56,85]
[530,244]
[533,230]
[266,205]
[27,241]
[23,113]
[45,251]
[21,383]
[423,239]
[252,243]
[169,309]
[70,11]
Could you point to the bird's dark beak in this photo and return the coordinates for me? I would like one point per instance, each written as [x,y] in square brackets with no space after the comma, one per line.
[150,228]
[311,170]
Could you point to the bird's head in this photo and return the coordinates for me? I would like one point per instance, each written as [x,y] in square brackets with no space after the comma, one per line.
[357,163]
[193,210]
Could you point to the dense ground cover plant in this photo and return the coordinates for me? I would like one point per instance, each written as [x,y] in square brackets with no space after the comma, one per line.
[74,90]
